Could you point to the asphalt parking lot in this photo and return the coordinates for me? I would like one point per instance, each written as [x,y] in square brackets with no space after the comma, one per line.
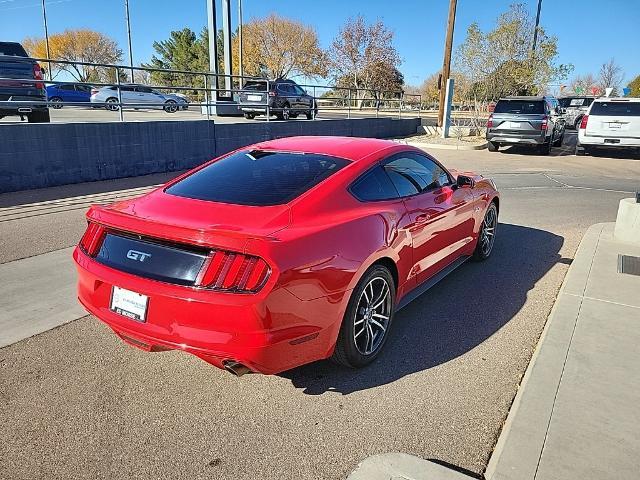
[78,403]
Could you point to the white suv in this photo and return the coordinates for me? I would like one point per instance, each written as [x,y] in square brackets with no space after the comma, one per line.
[610,123]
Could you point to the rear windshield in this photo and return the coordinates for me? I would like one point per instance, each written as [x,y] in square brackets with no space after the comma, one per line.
[617,109]
[519,106]
[255,86]
[258,178]
[12,49]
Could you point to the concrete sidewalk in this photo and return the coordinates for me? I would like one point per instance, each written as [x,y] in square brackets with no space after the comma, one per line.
[38,293]
[577,411]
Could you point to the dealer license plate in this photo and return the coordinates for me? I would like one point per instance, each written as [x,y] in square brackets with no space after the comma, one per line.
[515,125]
[254,98]
[129,304]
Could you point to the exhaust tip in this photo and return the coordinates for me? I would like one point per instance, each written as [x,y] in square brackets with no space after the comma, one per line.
[235,368]
[24,110]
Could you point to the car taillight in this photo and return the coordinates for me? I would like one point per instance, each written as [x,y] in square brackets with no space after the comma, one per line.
[92,239]
[490,122]
[545,123]
[231,271]
[272,93]
[583,123]
[37,74]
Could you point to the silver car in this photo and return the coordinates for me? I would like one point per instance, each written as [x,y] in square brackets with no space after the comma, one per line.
[574,108]
[136,96]
[534,121]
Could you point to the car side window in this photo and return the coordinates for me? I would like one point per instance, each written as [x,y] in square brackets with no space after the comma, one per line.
[283,88]
[143,89]
[374,185]
[65,87]
[414,173]
[299,90]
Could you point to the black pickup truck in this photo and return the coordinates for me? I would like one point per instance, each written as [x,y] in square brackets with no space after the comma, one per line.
[22,89]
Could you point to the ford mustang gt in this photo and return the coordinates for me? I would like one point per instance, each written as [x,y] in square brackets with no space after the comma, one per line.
[283,252]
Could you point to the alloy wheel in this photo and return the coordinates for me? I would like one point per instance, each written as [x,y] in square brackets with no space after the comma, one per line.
[371,321]
[488,232]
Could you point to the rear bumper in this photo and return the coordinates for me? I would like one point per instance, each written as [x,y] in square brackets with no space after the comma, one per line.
[269,332]
[23,104]
[524,138]
[608,142]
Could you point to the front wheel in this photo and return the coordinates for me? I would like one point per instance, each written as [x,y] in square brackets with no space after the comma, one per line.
[112,104]
[249,116]
[366,323]
[170,106]
[487,234]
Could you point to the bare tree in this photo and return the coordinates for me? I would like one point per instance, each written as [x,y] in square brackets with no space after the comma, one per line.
[611,76]
[360,54]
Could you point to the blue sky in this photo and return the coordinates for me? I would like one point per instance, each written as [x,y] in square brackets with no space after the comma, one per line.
[589,31]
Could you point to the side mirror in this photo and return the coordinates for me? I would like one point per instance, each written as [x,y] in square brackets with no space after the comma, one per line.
[464,181]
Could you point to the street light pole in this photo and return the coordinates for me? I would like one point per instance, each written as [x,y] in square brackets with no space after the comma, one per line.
[126,7]
[46,35]
[535,31]
[446,64]
[240,41]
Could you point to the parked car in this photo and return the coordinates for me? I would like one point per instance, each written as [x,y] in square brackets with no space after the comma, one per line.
[574,108]
[610,123]
[22,91]
[283,252]
[135,96]
[535,121]
[61,93]
[285,98]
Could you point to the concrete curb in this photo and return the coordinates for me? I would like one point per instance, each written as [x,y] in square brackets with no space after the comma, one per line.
[430,146]
[519,446]
[402,466]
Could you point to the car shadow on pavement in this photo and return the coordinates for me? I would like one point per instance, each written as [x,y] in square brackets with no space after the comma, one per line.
[452,318]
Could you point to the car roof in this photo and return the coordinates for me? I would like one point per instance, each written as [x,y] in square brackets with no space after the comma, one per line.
[525,97]
[349,148]
[617,99]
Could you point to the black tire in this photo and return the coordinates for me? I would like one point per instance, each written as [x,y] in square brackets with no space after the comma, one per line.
[359,320]
[249,116]
[111,104]
[581,151]
[487,234]
[39,116]
[309,115]
[493,146]
[545,148]
[170,106]
[56,102]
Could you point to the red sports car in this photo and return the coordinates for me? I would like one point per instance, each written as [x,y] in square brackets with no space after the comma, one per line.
[283,252]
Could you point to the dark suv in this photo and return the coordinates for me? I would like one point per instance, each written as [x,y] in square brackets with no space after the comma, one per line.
[22,89]
[535,121]
[286,99]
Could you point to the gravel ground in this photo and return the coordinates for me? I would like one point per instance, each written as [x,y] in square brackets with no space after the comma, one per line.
[77,403]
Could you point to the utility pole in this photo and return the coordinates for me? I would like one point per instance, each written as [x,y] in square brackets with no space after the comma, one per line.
[240,41]
[46,36]
[126,8]
[213,46]
[226,43]
[446,64]
[535,31]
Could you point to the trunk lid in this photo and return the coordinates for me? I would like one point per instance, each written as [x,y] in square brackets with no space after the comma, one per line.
[192,222]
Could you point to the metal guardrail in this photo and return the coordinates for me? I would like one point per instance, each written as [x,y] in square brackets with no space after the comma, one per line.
[206,88]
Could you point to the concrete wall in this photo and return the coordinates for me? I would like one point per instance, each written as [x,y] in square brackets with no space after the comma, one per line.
[37,156]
